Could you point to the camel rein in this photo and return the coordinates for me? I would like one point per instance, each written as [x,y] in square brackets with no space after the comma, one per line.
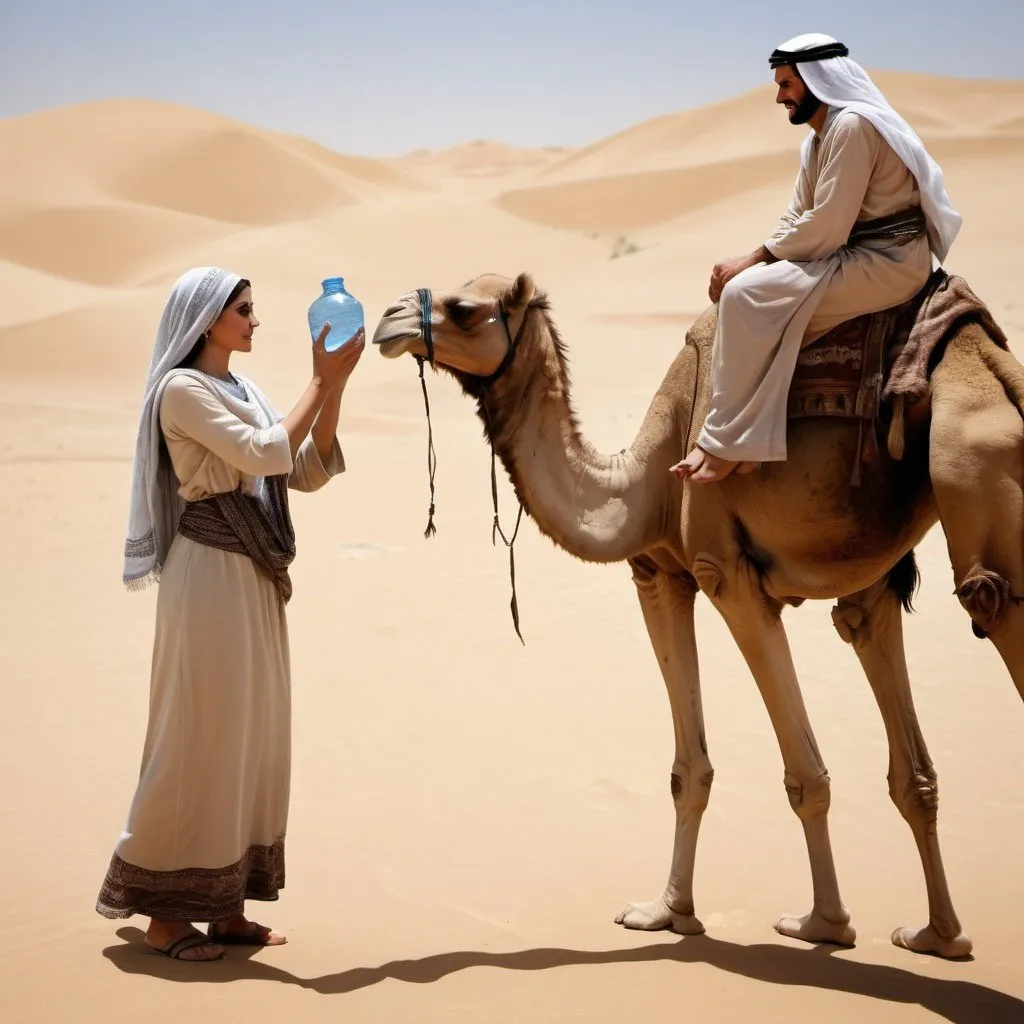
[426,331]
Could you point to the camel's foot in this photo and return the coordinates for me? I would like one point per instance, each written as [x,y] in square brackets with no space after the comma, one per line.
[656,916]
[813,927]
[928,940]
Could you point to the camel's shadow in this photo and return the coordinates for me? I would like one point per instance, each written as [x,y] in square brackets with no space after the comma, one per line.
[960,1002]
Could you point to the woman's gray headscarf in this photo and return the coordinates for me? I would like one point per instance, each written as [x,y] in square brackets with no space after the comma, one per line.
[195,302]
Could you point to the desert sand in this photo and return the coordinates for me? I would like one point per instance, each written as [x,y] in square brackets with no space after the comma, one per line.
[468,814]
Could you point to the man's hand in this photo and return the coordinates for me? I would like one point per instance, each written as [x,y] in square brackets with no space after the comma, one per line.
[725,271]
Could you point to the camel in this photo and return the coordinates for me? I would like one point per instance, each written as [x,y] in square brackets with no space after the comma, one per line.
[753,544]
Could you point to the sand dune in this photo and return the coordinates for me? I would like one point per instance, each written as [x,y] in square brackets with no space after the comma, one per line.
[104,243]
[630,202]
[375,178]
[965,104]
[40,294]
[157,157]
[626,202]
[468,814]
[75,205]
[481,158]
[736,127]
[663,169]
[1013,124]
[749,124]
[246,179]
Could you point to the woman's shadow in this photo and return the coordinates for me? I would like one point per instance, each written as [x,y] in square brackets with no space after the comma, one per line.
[960,1002]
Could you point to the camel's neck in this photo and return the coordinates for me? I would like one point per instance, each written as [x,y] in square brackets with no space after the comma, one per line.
[601,508]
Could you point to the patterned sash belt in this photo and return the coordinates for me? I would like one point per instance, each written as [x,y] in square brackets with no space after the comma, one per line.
[243,524]
[904,226]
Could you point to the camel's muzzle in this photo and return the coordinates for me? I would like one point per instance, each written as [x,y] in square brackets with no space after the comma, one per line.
[399,328]
[405,323]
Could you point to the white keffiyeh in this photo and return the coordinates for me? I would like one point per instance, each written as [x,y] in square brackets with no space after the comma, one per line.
[842,82]
[195,302]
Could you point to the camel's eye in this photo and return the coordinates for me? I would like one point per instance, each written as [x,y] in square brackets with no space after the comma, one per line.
[462,312]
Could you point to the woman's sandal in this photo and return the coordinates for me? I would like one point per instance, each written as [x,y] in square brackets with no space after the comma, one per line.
[182,944]
[257,935]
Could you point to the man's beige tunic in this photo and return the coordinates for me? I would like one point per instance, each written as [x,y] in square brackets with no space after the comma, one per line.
[769,311]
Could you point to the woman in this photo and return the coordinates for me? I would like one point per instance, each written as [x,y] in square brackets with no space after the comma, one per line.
[209,520]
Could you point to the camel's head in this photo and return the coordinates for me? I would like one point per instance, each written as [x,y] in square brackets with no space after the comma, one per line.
[469,331]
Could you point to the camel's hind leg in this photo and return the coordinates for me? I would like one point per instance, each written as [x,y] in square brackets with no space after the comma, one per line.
[735,589]
[872,622]
[667,603]
[976,461]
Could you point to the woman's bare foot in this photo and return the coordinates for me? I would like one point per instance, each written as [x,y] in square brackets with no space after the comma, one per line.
[240,931]
[181,941]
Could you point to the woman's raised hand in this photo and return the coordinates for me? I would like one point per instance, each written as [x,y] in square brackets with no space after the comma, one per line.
[334,368]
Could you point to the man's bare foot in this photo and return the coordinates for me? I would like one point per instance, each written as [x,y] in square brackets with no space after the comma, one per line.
[702,468]
[181,941]
[689,465]
[239,931]
[713,469]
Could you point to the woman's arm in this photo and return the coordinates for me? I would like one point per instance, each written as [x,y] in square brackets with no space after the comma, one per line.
[325,427]
[298,423]
[320,405]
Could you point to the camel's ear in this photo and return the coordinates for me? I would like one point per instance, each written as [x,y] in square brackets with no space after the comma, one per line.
[521,292]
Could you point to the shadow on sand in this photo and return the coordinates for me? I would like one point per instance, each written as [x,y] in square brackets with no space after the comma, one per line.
[960,1002]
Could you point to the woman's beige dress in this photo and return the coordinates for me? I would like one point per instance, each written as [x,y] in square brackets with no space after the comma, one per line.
[206,829]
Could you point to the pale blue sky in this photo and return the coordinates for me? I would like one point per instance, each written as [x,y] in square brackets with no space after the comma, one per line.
[381,77]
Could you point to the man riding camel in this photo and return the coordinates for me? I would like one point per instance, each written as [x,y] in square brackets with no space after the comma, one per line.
[868,211]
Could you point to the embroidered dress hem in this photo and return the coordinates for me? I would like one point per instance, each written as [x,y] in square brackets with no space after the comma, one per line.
[193,894]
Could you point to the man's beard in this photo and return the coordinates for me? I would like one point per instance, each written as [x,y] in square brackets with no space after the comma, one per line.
[806,108]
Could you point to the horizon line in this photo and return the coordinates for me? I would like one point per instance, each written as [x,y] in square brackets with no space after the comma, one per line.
[477,140]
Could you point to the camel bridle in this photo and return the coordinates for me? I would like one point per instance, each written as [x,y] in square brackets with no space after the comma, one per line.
[427,334]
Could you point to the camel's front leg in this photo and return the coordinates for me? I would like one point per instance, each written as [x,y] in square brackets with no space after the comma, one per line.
[667,603]
[755,623]
[872,622]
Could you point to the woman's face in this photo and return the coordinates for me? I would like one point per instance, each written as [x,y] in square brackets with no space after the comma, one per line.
[233,329]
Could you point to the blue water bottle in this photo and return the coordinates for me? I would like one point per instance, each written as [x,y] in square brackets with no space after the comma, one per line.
[340,308]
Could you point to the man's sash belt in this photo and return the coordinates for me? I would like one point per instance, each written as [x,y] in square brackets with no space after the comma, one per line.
[904,226]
